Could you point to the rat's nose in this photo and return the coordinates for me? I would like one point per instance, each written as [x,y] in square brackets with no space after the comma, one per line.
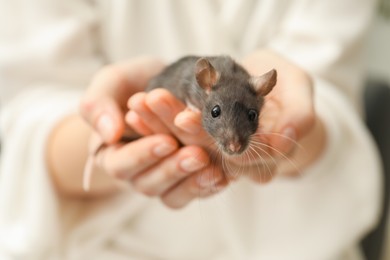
[234,147]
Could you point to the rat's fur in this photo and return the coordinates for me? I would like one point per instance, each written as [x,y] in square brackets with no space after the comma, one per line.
[218,80]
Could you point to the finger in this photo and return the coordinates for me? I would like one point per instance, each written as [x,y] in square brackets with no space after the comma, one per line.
[105,100]
[157,180]
[105,116]
[164,105]
[189,121]
[167,108]
[258,166]
[137,123]
[297,110]
[297,115]
[137,103]
[204,184]
[125,161]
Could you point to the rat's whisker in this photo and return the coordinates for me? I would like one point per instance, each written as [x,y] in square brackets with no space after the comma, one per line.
[262,168]
[242,164]
[216,157]
[295,142]
[253,157]
[240,170]
[283,156]
[263,161]
[229,171]
[213,155]
[256,144]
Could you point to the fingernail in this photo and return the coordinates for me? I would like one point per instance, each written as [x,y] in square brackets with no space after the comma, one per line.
[163,149]
[186,124]
[191,164]
[106,127]
[131,117]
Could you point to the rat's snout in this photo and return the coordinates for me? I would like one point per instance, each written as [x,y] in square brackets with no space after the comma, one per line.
[231,142]
[234,147]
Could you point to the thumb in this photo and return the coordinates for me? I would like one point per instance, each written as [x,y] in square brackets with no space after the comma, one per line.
[105,116]
[105,100]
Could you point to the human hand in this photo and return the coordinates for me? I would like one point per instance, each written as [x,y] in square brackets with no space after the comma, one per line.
[104,103]
[290,135]
[156,112]
[287,120]
[154,165]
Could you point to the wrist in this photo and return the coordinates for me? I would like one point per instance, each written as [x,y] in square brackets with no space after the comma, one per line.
[67,151]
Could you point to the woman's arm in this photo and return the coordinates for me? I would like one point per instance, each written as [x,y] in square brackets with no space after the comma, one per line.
[71,141]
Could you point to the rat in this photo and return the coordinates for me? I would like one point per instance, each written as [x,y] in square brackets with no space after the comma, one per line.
[229,98]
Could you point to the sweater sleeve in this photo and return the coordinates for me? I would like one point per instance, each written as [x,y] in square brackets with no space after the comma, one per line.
[48,53]
[326,38]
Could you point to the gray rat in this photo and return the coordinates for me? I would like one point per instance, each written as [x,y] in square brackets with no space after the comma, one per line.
[228,97]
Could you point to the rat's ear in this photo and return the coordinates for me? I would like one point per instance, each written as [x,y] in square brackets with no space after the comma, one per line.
[264,83]
[206,75]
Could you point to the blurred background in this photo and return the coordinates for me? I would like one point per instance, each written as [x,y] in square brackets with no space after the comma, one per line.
[376,245]
[377,99]
[378,46]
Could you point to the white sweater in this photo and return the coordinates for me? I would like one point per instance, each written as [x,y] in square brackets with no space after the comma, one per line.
[48,53]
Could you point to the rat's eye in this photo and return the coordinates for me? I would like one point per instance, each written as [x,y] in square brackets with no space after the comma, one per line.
[252,115]
[216,111]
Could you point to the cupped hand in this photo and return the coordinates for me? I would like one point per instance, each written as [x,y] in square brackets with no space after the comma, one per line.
[291,136]
[155,165]
[287,122]
[289,108]
[104,104]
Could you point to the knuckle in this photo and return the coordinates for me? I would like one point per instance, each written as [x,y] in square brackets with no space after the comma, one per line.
[108,70]
[147,191]
[134,161]
[86,108]
[120,175]
[170,174]
[156,95]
